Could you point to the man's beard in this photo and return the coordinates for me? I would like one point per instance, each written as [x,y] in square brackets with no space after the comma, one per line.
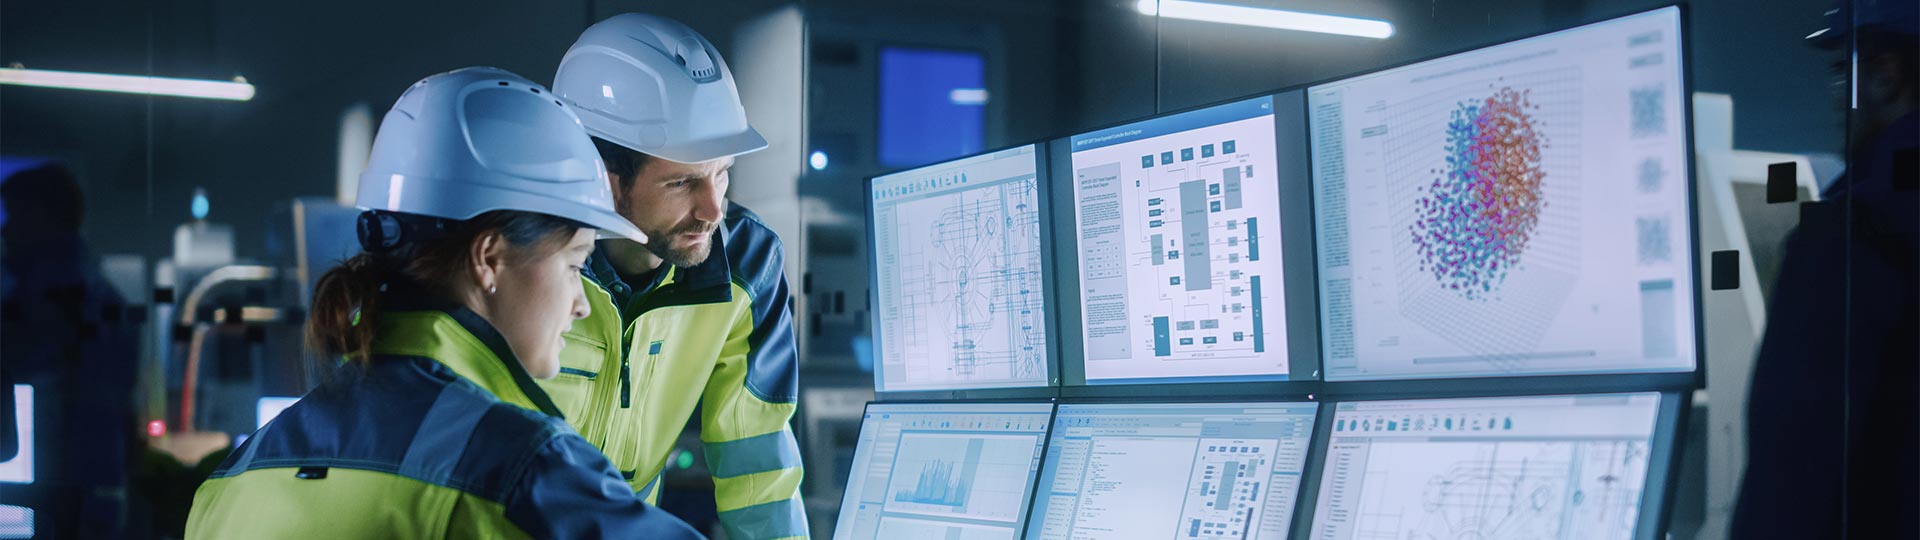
[684,257]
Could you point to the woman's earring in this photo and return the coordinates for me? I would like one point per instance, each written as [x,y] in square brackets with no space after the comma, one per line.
[494,288]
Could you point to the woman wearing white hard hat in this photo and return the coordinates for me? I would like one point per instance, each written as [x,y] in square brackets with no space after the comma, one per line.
[483,195]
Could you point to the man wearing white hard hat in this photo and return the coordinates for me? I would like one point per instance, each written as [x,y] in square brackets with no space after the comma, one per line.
[699,314]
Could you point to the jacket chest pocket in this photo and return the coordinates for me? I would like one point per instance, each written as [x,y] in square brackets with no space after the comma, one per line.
[580,383]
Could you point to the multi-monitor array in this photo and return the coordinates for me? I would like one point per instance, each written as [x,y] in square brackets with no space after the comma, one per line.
[1560,466]
[1520,210]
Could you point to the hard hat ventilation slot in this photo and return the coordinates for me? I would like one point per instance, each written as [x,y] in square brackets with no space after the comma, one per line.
[697,60]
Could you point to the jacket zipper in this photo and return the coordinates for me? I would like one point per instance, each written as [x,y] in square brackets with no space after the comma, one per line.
[626,376]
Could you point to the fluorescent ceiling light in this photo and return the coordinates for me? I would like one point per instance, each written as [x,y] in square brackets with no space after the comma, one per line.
[967,96]
[132,84]
[1266,18]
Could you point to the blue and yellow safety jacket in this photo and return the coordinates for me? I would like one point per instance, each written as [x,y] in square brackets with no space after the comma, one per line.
[442,435]
[718,335]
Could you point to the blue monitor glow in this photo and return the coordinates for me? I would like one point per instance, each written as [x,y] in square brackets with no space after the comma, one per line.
[959,289]
[932,105]
[268,408]
[1179,249]
[1198,470]
[19,470]
[1522,209]
[1551,467]
[943,470]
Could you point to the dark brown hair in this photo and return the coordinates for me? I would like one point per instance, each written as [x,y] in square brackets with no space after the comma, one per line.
[346,300]
[623,162]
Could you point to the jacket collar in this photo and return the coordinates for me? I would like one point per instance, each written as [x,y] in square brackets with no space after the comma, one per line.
[716,271]
[420,324]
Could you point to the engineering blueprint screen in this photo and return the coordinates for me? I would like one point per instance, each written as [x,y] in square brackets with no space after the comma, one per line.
[960,294]
[955,471]
[1180,471]
[1520,209]
[1555,467]
[1178,224]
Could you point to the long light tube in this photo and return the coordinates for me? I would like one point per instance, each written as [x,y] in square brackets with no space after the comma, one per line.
[1266,18]
[131,84]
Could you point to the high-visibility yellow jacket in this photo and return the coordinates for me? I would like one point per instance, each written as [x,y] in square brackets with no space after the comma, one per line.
[442,435]
[718,335]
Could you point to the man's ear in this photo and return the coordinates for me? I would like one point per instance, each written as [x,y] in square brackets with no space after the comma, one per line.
[619,195]
[488,255]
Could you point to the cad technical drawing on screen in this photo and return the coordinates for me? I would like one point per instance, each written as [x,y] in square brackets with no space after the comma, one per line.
[960,289]
[1553,467]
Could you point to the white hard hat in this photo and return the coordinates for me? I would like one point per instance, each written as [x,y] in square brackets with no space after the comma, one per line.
[480,139]
[655,86]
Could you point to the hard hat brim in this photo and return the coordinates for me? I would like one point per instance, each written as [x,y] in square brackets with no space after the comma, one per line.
[745,142]
[609,226]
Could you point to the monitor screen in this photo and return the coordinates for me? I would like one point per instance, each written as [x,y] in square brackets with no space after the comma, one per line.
[1207,471]
[1553,467]
[933,105]
[269,407]
[959,288]
[1177,230]
[19,470]
[1522,209]
[945,470]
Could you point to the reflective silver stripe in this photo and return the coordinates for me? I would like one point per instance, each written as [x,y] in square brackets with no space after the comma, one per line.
[778,519]
[246,454]
[443,437]
[756,454]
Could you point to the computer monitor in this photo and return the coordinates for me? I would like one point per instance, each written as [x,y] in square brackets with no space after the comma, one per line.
[1186,471]
[1177,248]
[270,407]
[19,469]
[1549,467]
[943,470]
[324,235]
[959,287]
[932,104]
[1522,209]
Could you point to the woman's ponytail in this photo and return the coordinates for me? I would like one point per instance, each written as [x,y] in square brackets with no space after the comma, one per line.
[346,309]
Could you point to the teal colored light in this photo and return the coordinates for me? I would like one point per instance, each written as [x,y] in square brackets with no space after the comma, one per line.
[685,460]
[200,205]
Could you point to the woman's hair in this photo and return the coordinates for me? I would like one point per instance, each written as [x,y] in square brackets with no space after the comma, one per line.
[346,300]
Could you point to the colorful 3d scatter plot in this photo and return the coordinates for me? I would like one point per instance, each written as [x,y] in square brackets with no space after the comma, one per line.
[1476,216]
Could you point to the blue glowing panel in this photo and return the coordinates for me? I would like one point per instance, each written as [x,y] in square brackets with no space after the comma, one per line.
[14,164]
[932,105]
